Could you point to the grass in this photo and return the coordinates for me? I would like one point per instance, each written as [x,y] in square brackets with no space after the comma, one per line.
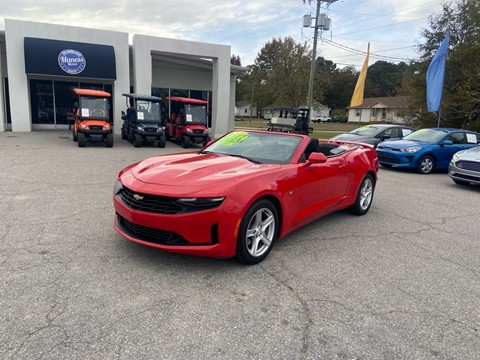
[320,131]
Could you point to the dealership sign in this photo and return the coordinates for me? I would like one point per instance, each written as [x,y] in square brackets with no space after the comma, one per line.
[72,61]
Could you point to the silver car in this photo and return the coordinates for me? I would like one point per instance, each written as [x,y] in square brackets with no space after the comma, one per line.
[464,167]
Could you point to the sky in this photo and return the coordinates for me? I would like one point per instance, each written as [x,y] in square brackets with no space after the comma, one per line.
[392,27]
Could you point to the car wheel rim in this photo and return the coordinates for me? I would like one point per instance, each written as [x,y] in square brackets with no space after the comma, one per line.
[366,193]
[427,165]
[260,232]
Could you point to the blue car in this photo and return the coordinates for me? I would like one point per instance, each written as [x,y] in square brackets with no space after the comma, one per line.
[426,150]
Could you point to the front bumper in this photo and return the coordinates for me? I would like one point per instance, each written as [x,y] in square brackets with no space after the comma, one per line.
[397,158]
[206,233]
[467,171]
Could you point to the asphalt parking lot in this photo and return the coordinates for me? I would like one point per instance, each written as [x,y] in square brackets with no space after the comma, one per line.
[402,282]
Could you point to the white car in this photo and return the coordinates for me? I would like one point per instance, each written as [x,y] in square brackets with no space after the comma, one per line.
[323,119]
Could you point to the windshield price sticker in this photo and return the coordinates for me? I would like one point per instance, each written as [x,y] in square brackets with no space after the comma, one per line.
[85,112]
[140,115]
[234,138]
[189,117]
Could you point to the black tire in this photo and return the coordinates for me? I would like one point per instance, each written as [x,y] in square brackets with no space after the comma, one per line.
[186,143]
[162,141]
[364,197]
[124,134]
[109,140]
[205,141]
[426,165]
[258,232]
[81,139]
[75,139]
[137,140]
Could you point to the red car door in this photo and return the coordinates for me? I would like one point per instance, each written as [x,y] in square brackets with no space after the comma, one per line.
[321,188]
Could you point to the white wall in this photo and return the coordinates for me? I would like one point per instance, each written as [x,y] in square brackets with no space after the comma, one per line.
[16,30]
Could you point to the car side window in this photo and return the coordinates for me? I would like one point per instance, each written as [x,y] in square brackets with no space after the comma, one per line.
[395,133]
[456,138]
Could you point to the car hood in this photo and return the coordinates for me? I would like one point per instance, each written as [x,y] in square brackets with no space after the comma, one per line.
[400,144]
[472,154]
[195,169]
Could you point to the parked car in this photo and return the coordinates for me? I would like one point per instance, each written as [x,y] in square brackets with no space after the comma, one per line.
[237,195]
[464,168]
[374,134]
[426,150]
[321,119]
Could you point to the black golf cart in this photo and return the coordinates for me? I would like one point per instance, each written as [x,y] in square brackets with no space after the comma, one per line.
[143,120]
[299,125]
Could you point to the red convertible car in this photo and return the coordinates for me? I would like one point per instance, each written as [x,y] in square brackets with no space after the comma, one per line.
[239,194]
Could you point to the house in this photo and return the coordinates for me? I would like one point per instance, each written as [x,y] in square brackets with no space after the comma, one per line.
[379,110]
[245,109]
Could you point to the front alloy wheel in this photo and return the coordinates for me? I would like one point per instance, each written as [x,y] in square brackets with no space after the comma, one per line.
[258,231]
[364,196]
[426,165]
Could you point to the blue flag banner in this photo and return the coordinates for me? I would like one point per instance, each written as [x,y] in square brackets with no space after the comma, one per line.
[435,75]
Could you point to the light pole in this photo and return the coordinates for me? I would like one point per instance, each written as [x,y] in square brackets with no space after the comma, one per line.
[322,22]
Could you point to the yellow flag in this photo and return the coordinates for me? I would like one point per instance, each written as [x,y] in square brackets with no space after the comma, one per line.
[357,98]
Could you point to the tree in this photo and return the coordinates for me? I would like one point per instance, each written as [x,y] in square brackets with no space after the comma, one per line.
[384,78]
[279,74]
[235,60]
[461,91]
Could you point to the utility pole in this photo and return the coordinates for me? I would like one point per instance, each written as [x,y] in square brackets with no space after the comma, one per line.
[322,22]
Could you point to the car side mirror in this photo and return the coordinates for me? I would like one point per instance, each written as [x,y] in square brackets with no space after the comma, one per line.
[317,158]
[385,137]
[448,142]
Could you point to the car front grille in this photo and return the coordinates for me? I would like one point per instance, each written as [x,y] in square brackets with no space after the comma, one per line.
[388,159]
[198,131]
[149,234]
[468,165]
[96,127]
[150,203]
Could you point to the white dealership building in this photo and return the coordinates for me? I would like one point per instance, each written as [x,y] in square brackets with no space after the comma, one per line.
[41,63]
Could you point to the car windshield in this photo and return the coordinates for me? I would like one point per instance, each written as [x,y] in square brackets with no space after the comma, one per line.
[365,131]
[196,114]
[258,147]
[426,135]
[148,111]
[93,108]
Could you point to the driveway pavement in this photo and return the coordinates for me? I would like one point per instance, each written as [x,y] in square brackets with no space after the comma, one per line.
[402,282]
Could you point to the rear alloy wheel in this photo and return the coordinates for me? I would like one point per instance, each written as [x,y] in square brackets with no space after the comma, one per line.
[258,231]
[162,141]
[109,140]
[81,139]
[426,165]
[364,196]
[138,140]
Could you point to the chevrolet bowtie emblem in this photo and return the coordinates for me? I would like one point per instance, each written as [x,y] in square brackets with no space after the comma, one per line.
[137,197]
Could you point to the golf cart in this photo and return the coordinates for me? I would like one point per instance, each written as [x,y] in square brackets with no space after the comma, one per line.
[143,121]
[298,125]
[188,121]
[91,117]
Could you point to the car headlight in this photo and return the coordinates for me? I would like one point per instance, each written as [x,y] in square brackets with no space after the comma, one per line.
[455,158]
[140,128]
[83,126]
[197,204]
[411,149]
[188,130]
[106,127]
[118,187]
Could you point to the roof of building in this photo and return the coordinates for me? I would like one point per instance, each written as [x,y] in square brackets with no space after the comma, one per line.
[389,102]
